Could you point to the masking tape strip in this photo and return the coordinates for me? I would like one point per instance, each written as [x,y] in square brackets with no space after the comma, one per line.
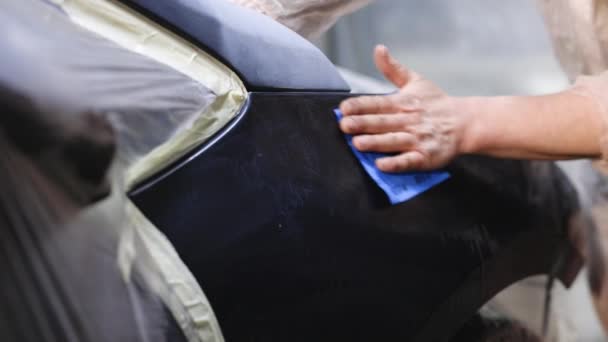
[186,299]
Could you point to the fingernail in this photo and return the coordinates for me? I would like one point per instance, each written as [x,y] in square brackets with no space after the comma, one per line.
[360,143]
[344,107]
[346,124]
[381,163]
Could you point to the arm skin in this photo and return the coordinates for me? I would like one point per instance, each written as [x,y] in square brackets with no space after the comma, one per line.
[565,125]
[427,128]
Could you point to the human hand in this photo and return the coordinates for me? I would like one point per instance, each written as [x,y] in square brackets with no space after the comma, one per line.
[420,123]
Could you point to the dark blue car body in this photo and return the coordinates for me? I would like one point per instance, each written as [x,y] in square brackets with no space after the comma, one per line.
[292,241]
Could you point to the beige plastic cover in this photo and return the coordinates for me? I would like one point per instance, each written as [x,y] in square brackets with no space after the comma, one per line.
[309,18]
[579,33]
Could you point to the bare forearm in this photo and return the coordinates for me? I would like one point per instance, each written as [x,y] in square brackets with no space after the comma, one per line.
[560,126]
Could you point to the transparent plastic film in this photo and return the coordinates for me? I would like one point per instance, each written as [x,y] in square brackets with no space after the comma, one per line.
[136,33]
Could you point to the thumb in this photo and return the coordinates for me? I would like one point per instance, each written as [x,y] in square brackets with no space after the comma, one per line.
[391,68]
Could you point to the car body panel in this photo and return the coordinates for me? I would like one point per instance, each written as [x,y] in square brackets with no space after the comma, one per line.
[291,240]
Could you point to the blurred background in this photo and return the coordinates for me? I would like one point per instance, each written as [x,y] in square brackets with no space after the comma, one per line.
[469,47]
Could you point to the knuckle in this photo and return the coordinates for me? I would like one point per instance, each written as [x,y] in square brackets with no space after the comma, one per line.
[377,103]
[405,140]
[415,117]
[371,141]
[412,141]
[423,135]
[394,139]
[367,99]
[381,121]
[362,121]
[409,103]
[354,103]
[402,107]
[423,132]
[415,102]
[401,122]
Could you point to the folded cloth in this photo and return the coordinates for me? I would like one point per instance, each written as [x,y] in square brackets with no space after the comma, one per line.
[399,187]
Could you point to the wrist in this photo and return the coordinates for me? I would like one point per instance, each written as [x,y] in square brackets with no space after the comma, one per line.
[593,112]
[470,128]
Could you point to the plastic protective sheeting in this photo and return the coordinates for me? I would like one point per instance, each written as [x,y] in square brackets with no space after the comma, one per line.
[309,18]
[579,33]
[72,271]
[185,123]
[175,283]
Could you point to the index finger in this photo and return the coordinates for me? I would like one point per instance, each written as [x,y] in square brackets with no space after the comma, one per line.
[376,104]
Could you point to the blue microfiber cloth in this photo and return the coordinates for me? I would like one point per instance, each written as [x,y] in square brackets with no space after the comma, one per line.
[399,187]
